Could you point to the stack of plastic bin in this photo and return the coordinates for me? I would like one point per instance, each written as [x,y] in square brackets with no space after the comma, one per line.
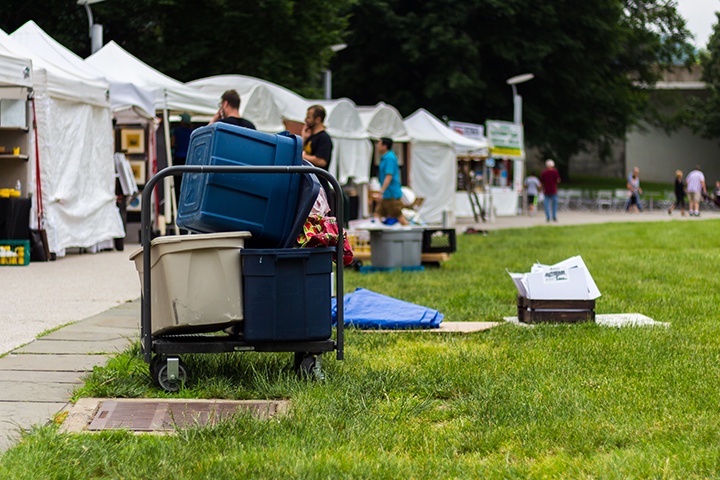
[286,291]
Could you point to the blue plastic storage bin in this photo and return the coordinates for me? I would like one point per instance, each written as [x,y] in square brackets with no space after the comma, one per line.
[287,294]
[263,204]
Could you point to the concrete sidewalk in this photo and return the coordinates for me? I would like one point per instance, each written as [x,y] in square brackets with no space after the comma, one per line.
[100,293]
[37,379]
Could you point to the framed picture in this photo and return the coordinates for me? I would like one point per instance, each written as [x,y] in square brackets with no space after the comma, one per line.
[138,170]
[132,140]
[134,205]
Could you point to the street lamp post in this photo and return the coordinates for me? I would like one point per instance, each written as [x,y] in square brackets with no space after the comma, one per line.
[95,29]
[517,99]
[517,116]
[328,73]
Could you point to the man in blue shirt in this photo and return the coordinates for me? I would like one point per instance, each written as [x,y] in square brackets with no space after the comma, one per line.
[390,194]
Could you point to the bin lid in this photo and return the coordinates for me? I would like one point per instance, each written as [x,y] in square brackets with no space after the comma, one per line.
[199,237]
[177,243]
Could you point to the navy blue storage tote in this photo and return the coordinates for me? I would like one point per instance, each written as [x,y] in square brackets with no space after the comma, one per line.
[263,204]
[286,294]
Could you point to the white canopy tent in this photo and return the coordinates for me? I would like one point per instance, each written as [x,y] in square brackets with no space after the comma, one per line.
[170,96]
[15,71]
[263,103]
[74,140]
[383,120]
[351,150]
[123,96]
[433,174]
[291,106]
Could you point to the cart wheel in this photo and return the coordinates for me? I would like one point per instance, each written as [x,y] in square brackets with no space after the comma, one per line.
[154,363]
[160,375]
[309,366]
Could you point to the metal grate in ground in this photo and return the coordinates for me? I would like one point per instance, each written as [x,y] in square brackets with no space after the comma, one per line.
[162,415]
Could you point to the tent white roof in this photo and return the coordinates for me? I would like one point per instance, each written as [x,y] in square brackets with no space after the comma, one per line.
[343,119]
[169,94]
[291,106]
[59,82]
[257,103]
[73,134]
[14,70]
[383,120]
[123,95]
[426,128]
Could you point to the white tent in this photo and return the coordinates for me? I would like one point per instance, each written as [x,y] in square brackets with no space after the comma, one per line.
[123,96]
[169,94]
[291,106]
[15,71]
[383,120]
[74,140]
[433,174]
[351,150]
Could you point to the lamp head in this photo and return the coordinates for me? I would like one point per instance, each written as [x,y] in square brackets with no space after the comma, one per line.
[519,79]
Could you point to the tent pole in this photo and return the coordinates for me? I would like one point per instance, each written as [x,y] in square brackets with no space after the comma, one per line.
[170,207]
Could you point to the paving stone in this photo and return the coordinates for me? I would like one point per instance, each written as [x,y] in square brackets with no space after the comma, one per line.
[92,334]
[63,347]
[28,392]
[40,377]
[78,329]
[112,321]
[18,416]
[52,363]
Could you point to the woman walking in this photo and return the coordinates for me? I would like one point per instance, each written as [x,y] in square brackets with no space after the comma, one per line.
[679,194]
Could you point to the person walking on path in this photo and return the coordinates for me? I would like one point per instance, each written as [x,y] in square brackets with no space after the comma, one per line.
[634,192]
[549,179]
[532,187]
[695,182]
[679,194]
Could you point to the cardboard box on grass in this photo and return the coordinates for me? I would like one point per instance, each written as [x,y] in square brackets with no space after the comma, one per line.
[566,280]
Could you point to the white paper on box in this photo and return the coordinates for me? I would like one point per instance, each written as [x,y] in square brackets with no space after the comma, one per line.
[566,280]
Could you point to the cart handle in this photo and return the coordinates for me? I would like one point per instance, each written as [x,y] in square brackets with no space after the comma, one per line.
[146,311]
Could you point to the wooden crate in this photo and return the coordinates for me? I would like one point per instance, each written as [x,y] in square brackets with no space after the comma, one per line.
[555,311]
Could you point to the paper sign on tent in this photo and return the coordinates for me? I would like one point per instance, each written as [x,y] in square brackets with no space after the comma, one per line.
[567,280]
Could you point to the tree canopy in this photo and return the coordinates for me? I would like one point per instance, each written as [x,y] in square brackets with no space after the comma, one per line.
[705,112]
[593,61]
[284,41]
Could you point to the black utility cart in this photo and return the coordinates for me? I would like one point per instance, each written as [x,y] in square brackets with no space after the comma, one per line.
[269,276]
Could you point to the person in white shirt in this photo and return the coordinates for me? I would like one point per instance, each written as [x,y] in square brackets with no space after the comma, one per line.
[696,188]
[532,186]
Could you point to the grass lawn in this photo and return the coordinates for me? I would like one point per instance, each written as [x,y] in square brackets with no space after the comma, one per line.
[555,401]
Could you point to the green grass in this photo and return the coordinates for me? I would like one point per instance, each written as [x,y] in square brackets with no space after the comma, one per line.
[555,401]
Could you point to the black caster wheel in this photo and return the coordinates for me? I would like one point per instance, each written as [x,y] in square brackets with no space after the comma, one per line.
[161,374]
[309,366]
[154,362]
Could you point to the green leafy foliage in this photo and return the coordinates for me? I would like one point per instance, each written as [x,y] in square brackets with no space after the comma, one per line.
[705,112]
[284,41]
[593,61]
[453,58]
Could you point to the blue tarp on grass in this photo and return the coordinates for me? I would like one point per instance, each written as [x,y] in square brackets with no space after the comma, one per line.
[367,309]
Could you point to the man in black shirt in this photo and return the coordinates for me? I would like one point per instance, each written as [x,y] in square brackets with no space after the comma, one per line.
[229,111]
[318,146]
